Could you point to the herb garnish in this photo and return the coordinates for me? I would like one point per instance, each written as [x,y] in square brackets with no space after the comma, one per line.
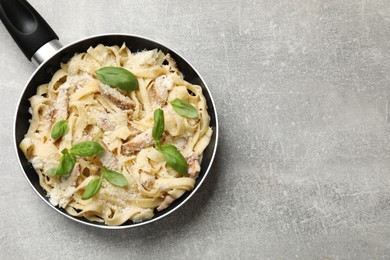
[170,153]
[59,129]
[184,108]
[68,159]
[87,149]
[67,163]
[158,126]
[174,158]
[92,188]
[117,77]
[115,178]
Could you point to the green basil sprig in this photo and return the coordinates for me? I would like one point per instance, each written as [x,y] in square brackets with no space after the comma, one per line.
[86,149]
[92,188]
[184,108]
[170,153]
[67,163]
[115,178]
[174,158]
[117,77]
[68,159]
[158,126]
[59,129]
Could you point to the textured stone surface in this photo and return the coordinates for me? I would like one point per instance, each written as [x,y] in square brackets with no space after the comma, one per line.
[302,90]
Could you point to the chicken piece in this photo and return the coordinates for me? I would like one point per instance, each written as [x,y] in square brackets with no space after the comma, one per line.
[61,104]
[119,100]
[110,122]
[109,160]
[166,202]
[139,142]
[146,180]
[104,123]
[161,87]
[52,115]
[193,165]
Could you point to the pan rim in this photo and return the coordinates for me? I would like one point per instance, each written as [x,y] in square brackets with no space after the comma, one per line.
[104,226]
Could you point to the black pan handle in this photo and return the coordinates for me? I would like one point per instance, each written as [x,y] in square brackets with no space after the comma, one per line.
[29,30]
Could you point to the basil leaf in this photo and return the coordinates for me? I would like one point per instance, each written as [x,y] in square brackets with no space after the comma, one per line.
[184,108]
[158,126]
[117,77]
[86,149]
[92,188]
[174,158]
[115,178]
[67,163]
[59,129]
[52,171]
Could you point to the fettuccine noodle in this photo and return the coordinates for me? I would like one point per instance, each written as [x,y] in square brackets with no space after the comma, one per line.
[122,122]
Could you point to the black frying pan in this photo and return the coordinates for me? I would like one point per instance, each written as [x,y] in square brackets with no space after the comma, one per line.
[40,45]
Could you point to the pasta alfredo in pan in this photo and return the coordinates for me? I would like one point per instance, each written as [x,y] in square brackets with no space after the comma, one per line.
[113,154]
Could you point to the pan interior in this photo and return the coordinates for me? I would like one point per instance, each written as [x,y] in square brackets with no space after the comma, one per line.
[134,43]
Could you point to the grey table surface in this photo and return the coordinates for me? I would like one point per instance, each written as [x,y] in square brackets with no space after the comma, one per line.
[303,96]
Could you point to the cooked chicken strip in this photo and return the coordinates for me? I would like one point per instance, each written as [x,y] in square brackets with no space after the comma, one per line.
[104,123]
[121,101]
[139,142]
[161,87]
[193,165]
[109,160]
[110,122]
[61,105]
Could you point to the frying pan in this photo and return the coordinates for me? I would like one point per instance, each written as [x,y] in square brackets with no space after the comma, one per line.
[40,45]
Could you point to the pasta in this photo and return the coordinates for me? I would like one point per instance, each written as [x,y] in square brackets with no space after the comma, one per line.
[122,122]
